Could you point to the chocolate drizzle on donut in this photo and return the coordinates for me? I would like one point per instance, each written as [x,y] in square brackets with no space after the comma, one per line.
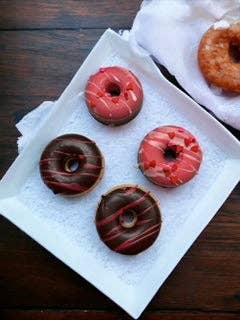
[71,164]
[128,219]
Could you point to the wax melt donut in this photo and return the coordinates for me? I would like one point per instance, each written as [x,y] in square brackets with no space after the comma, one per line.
[71,165]
[128,219]
[114,96]
[219,56]
[169,156]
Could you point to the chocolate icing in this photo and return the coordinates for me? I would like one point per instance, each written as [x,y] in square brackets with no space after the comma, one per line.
[115,210]
[63,150]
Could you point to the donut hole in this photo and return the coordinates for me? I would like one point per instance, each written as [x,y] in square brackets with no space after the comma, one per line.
[113,89]
[128,219]
[234,52]
[72,165]
[170,154]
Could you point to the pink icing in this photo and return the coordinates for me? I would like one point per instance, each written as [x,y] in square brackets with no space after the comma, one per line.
[162,171]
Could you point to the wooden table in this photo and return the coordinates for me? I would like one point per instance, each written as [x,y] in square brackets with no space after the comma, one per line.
[42,44]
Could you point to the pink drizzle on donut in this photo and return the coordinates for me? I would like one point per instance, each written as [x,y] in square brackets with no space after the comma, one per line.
[121,211]
[175,171]
[114,95]
[69,174]
[139,238]
[111,211]
[71,149]
[75,187]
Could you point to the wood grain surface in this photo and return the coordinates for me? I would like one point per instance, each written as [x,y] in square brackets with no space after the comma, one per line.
[42,44]
[99,315]
[67,14]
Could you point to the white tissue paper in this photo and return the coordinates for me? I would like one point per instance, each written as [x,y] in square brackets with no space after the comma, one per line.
[30,123]
[171,30]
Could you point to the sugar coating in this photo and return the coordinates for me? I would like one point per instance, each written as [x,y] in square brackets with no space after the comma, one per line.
[74,217]
[222,24]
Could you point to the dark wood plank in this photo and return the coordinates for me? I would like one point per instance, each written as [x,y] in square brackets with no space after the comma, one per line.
[32,277]
[13,108]
[35,66]
[42,62]
[52,14]
[207,278]
[100,315]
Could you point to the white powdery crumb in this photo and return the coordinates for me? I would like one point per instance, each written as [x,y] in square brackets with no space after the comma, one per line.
[222,24]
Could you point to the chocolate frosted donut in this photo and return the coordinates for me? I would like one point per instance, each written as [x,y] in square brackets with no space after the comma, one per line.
[128,219]
[114,96]
[71,165]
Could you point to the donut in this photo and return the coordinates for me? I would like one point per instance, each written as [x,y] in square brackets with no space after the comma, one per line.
[169,156]
[71,165]
[128,219]
[114,96]
[219,56]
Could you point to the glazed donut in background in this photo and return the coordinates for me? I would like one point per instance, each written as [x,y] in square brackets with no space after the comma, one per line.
[219,56]
[128,219]
[71,165]
[169,156]
[114,96]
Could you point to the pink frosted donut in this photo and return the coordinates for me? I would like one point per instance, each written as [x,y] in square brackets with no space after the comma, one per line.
[169,156]
[114,96]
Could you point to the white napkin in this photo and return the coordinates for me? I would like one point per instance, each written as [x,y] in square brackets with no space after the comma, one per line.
[170,30]
[30,123]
